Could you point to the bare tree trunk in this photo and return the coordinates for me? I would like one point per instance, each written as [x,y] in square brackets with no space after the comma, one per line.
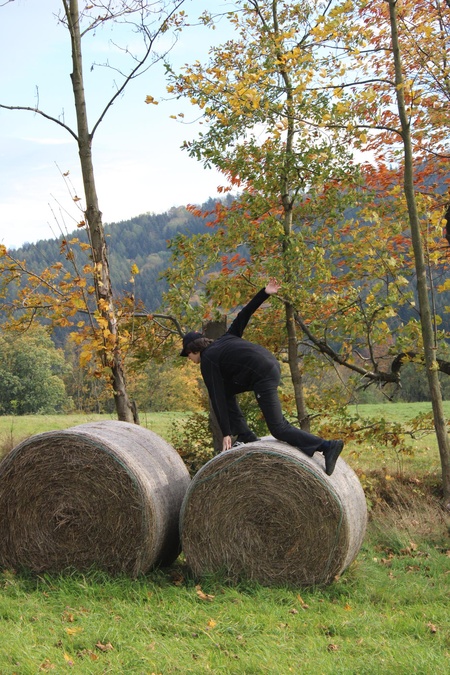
[296,375]
[287,199]
[110,354]
[424,304]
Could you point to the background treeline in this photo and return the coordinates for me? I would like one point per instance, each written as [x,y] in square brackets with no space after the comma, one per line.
[40,371]
[41,374]
[140,241]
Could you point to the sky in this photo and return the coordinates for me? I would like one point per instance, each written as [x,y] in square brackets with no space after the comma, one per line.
[138,163]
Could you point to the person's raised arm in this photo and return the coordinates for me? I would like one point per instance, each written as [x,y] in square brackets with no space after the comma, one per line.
[240,322]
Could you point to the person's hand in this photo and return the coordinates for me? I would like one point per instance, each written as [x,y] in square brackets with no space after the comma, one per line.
[226,445]
[272,287]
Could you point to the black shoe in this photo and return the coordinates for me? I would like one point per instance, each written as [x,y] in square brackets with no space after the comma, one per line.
[331,455]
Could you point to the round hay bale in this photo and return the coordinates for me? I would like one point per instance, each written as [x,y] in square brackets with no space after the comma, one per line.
[105,493]
[267,512]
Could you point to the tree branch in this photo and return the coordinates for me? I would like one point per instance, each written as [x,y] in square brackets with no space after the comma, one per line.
[167,317]
[43,114]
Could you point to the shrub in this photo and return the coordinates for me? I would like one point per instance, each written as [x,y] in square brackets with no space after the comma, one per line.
[192,439]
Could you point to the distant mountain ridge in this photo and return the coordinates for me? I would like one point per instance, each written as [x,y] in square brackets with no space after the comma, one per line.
[141,240]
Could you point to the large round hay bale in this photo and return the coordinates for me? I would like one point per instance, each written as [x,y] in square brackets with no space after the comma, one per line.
[267,512]
[105,494]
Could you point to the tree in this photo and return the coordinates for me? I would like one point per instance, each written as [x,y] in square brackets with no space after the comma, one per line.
[424,303]
[351,84]
[264,134]
[151,20]
[402,63]
[31,374]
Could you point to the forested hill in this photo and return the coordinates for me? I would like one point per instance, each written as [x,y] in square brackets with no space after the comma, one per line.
[141,240]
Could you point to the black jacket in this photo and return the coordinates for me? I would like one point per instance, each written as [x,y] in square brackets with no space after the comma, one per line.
[231,365]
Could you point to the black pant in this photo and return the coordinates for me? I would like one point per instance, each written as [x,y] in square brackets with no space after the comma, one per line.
[266,392]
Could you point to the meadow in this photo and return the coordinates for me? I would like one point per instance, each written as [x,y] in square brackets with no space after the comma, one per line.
[388,613]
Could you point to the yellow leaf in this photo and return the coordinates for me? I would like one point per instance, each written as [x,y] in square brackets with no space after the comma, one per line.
[445,286]
[150,99]
[203,596]
[74,631]
[212,623]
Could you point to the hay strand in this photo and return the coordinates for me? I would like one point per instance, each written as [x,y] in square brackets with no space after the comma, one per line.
[269,513]
[105,493]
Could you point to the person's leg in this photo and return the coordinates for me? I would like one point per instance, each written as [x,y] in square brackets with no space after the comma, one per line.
[267,397]
[238,423]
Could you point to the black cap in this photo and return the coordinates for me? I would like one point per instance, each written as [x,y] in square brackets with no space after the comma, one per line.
[188,338]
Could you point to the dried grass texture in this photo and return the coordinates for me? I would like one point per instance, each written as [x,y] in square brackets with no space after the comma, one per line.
[105,493]
[267,512]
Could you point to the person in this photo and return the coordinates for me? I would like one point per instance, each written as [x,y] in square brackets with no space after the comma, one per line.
[231,365]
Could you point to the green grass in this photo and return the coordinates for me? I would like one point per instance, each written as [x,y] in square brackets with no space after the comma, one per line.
[388,613]
[422,455]
[396,412]
[14,429]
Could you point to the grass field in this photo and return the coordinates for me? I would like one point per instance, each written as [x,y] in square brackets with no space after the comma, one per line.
[389,612]
[15,429]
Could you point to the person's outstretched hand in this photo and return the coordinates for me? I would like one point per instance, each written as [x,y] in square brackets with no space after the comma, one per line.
[272,287]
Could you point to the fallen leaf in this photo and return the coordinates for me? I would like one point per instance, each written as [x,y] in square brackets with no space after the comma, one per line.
[332,647]
[212,623]
[302,602]
[432,627]
[68,658]
[104,648]
[203,596]
[74,631]
[87,652]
